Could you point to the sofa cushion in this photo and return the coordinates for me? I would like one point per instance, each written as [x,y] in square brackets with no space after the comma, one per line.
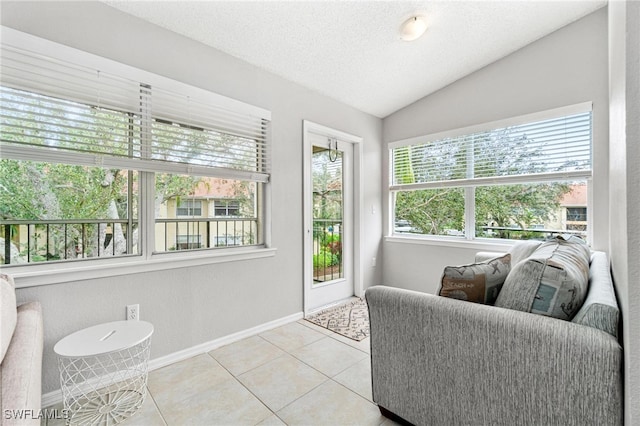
[523,249]
[21,369]
[477,282]
[600,309]
[552,281]
[8,312]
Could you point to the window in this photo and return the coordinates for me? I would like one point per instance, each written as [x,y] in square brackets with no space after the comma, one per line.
[198,222]
[577,214]
[576,218]
[188,242]
[228,240]
[86,147]
[227,208]
[189,208]
[66,212]
[509,179]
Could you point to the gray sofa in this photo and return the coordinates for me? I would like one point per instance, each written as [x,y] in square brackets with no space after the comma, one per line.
[442,361]
[21,343]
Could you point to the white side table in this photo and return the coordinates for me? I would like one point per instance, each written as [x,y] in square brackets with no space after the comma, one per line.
[103,371]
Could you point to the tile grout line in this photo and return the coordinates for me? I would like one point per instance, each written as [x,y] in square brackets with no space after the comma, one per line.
[334,335]
[357,394]
[249,390]
[287,352]
[157,406]
[330,377]
[304,394]
[284,352]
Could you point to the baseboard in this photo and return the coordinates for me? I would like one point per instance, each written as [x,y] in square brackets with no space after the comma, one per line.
[55,397]
[163,361]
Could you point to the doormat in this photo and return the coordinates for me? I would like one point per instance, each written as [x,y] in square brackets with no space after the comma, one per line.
[349,319]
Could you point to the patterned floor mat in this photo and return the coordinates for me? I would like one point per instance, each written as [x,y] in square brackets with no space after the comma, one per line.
[349,319]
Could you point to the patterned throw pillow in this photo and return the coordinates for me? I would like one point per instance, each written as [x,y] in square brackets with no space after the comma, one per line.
[553,281]
[478,282]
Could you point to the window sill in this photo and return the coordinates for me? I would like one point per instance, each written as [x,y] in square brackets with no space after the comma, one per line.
[479,244]
[38,275]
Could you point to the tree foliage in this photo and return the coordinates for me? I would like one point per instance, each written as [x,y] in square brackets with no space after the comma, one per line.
[431,211]
[44,191]
[327,186]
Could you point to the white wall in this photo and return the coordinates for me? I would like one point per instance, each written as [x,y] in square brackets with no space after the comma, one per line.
[419,267]
[196,305]
[624,196]
[566,67]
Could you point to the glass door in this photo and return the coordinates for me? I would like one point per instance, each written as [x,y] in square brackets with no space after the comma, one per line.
[328,213]
[328,221]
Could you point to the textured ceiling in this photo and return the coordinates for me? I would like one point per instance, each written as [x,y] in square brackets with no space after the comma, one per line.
[352,51]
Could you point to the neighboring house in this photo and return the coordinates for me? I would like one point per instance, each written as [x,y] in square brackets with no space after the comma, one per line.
[215,215]
[574,209]
[572,213]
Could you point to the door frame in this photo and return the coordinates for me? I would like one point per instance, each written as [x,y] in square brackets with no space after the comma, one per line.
[309,127]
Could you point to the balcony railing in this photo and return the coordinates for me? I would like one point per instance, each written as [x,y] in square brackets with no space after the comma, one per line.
[528,233]
[202,233]
[29,241]
[33,241]
[327,250]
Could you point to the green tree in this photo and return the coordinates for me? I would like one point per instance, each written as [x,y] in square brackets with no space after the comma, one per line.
[327,186]
[519,206]
[431,211]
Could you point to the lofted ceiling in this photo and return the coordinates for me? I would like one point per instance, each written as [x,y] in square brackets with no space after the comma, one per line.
[351,50]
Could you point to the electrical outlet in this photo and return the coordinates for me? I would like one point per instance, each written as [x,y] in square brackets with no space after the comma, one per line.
[133,312]
[373,262]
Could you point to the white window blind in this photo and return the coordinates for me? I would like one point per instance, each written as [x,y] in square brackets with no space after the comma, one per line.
[186,130]
[542,150]
[57,110]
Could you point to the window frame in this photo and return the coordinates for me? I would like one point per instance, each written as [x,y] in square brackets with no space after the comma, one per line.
[581,217]
[191,209]
[470,239]
[226,207]
[146,260]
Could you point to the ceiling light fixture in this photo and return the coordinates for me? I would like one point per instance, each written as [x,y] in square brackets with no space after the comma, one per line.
[413,28]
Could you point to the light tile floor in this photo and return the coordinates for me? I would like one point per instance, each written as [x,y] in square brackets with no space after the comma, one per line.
[297,374]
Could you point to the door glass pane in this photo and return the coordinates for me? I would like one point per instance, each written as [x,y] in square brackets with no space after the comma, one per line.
[328,215]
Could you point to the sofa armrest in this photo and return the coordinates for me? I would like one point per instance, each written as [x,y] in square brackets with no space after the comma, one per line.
[21,369]
[436,360]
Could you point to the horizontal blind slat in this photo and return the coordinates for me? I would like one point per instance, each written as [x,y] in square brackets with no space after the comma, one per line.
[85,114]
[561,144]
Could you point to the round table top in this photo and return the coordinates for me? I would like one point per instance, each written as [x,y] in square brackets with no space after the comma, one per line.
[103,339]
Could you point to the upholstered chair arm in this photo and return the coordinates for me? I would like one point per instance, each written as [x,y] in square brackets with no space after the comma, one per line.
[21,369]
